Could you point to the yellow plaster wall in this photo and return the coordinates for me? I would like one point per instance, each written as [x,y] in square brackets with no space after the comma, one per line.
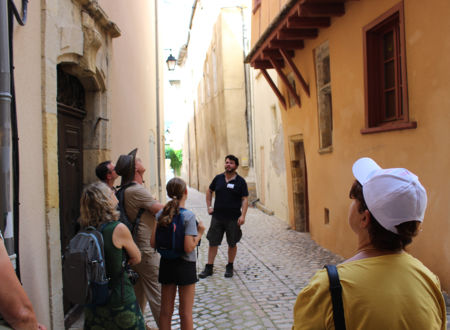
[424,150]
[263,16]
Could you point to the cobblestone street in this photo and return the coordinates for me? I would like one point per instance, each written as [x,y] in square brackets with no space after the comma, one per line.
[272,265]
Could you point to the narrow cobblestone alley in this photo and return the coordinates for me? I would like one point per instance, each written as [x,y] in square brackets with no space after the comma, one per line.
[272,265]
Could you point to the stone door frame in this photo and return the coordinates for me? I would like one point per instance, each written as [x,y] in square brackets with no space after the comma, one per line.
[81,45]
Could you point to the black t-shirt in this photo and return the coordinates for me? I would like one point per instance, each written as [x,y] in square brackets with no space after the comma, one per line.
[228,202]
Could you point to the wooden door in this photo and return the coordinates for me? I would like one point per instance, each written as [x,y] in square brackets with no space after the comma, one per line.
[70,166]
[299,186]
[70,157]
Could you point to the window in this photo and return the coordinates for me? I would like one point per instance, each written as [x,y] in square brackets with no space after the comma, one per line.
[324,104]
[385,73]
[326,216]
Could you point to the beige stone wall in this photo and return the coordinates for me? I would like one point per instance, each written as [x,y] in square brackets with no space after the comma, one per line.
[269,153]
[78,35]
[189,169]
[32,236]
[220,119]
[423,150]
[133,89]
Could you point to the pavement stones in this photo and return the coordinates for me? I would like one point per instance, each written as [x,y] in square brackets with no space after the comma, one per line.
[272,265]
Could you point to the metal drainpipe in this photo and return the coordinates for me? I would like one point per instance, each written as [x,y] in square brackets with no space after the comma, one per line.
[248,101]
[158,128]
[6,223]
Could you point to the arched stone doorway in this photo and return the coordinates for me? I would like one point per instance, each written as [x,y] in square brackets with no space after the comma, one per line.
[77,43]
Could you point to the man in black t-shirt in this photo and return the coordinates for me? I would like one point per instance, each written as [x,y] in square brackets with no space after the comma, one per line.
[228,213]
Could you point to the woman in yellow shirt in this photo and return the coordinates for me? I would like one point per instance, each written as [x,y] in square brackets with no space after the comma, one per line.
[383,287]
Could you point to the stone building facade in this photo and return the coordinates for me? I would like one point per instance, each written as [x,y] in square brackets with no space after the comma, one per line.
[233,109]
[359,78]
[86,92]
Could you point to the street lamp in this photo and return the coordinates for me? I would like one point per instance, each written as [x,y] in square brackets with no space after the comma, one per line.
[171,62]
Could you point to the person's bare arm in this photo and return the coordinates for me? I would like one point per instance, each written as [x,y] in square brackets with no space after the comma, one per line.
[15,306]
[241,219]
[190,242]
[122,238]
[209,193]
[155,208]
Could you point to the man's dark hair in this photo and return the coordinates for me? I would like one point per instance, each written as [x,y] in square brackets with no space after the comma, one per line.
[102,170]
[233,158]
[380,237]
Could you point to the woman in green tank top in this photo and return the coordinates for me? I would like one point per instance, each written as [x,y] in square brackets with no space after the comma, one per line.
[98,206]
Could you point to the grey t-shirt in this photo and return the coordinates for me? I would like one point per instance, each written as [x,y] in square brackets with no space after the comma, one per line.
[190,229]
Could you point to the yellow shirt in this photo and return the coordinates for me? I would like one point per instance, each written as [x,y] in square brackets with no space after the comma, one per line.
[393,291]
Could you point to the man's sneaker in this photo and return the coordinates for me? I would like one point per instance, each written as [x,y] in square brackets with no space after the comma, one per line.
[229,270]
[208,271]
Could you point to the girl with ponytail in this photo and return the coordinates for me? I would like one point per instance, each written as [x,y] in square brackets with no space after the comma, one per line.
[180,272]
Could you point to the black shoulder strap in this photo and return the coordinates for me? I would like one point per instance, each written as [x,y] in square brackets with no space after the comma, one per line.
[336,297]
[103,226]
[121,198]
[137,221]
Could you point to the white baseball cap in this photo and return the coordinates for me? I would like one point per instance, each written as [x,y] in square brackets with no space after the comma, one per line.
[392,195]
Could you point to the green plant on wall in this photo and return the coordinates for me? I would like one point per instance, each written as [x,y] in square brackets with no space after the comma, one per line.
[176,159]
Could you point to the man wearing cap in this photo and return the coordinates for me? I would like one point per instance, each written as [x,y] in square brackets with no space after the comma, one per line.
[383,287]
[136,197]
[106,172]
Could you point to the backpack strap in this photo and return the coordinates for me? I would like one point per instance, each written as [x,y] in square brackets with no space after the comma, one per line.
[103,227]
[121,198]
[336,297]
[182,210]
[136,221]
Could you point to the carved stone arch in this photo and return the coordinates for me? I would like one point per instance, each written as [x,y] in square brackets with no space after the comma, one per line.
[96,124]
[91,81]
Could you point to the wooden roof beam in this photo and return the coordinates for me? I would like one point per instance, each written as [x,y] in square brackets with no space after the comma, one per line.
[308,22]
[274,88]
[296,34]
[286,82]
[322,9]
[275,53]
[296,71]
[263,64]
[287,44]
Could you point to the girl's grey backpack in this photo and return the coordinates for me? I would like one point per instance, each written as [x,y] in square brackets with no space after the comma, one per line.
[84,270]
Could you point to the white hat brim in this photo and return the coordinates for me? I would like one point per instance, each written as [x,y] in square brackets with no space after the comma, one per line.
[364,168]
